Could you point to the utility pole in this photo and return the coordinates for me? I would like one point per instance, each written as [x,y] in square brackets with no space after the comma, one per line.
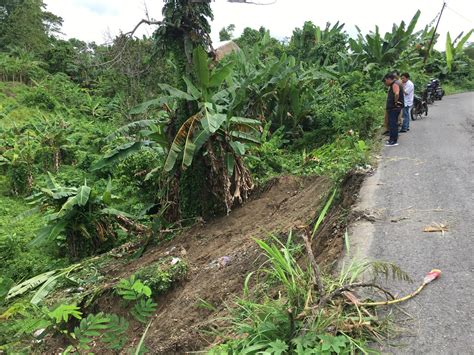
[434,34]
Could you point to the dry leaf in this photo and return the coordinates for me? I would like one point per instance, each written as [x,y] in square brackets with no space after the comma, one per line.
[436,227]
[351,297]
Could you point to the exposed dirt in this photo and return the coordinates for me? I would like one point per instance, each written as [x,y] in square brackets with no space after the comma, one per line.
[289,202]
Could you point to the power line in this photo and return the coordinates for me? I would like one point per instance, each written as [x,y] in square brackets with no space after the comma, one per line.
[460,15]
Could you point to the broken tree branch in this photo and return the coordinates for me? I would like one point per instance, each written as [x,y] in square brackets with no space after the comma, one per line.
[316,272]
[338,292]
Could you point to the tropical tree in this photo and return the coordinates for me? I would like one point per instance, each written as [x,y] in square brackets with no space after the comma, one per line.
[373,48]
[212,130]
[18,154]
[311,44]
[225,34]
[27,25]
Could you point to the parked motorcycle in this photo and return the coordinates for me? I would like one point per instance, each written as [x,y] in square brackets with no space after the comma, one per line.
[428,94]
[420,107]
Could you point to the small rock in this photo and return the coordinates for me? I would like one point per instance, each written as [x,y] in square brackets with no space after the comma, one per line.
[174,261]
[38,333]
[224,261]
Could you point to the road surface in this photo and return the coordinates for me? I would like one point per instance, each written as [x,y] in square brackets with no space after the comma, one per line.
[427,179]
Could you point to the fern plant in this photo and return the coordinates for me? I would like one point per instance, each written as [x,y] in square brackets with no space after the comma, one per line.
[143,310]
[90,327]
[133,289]
[64,312]
[115,337]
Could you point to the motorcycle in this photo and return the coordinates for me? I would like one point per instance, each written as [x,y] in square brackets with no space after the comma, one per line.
[435,91]
[420,107]
[429,94]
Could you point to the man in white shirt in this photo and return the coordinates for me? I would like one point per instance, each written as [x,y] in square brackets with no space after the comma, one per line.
[409,90]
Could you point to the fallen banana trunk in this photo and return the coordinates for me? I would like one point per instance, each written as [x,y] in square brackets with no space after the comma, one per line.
[432,275]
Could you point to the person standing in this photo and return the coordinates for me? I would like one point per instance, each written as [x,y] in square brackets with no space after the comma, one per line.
[396,74]
[395,103]
[409,94]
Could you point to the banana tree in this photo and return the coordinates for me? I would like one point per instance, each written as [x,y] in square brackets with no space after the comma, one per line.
[80,214]
[453,50]
[18,154]
[384,50]
[135,136]
[220,137]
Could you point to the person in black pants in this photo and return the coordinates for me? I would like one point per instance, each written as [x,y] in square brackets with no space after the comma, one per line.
[395,103]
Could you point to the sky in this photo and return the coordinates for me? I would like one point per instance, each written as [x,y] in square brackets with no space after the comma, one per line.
[100,20]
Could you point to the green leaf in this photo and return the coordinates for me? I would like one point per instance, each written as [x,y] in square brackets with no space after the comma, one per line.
[463,40]
[188,154]
[176,92]
[192,90]
[68,205]
[107,195]
[34,282]
[64,311]
[49,232]
[83,194]
[140,345]
[449,52]
[173,154]
[212,121]
[277,347]
[323,213]
[245,136]
[116,336]
[200,66]
[43,291]
[48,286]
[51,182]
[144,106]
[114,212]
[119,153]
[146,291]
[230,163]
[412,24]
[220,74]
[247,121]
[238,147]
[201,137]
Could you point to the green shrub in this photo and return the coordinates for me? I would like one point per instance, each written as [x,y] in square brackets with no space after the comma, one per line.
[161,276]
[39,98]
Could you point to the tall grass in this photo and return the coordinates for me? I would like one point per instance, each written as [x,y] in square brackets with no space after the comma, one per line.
[274,318]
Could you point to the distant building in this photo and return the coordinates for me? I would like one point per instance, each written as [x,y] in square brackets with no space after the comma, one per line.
[221,49]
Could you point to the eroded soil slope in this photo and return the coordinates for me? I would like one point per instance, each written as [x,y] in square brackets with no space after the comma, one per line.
[222,252]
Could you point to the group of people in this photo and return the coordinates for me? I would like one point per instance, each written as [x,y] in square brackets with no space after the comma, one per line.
[400,98]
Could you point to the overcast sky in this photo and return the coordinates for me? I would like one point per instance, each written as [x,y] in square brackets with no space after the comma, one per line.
[97,20]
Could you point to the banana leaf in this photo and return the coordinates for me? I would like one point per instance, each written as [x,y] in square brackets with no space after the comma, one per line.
[29,284]
[83,194]
[121,152]
[463,40]
[449,52]
[219,75]
[200,66]
[176,92]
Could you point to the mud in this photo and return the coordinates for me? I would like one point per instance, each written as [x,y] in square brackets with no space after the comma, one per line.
[222,252]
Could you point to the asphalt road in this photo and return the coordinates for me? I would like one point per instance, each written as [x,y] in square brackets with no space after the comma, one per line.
[428,178]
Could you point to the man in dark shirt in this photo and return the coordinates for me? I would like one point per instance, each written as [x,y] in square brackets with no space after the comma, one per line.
[395,103]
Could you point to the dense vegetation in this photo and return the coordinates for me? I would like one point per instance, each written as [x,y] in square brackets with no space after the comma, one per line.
[106,144]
